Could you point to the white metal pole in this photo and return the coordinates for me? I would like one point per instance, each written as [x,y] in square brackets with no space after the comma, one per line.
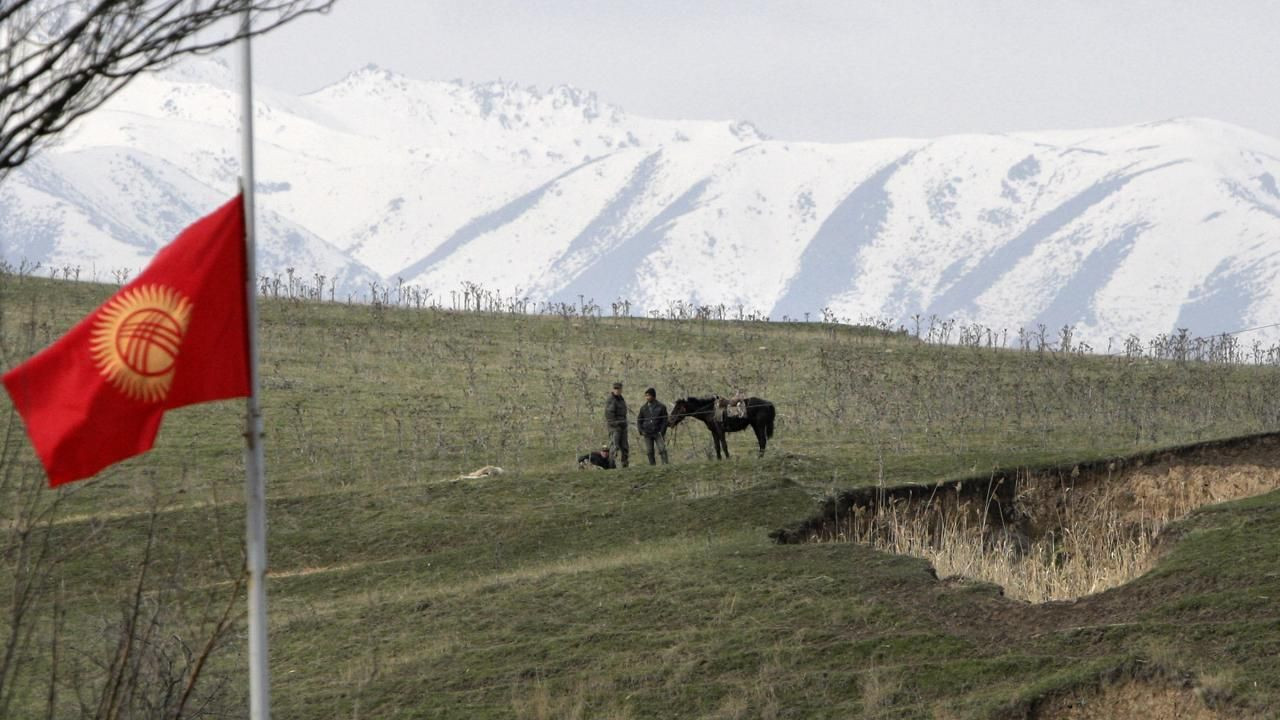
[255,486]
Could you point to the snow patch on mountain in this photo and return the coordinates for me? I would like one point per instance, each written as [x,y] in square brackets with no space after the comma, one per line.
[554,194]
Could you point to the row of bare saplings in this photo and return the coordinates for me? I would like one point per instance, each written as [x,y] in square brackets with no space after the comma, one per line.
[1178,346]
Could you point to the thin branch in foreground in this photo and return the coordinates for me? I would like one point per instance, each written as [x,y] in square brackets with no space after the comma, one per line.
[61,61]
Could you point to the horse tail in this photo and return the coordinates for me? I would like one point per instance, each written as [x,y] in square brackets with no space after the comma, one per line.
[768,427]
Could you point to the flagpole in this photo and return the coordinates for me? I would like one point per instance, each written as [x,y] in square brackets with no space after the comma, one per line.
[255,485]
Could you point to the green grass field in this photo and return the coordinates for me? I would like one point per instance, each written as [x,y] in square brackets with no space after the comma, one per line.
[399,591]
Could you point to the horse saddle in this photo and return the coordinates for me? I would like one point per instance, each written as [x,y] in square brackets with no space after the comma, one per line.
[730,407]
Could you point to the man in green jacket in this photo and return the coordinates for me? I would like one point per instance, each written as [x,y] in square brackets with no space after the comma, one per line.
[615,418]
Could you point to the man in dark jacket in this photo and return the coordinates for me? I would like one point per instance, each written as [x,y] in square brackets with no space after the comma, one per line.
[615,419]
[598,458]
[652,423]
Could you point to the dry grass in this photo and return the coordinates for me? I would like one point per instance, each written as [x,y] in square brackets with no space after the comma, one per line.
[1078,561]
[539,700]
[878,687]
[1081,537]
[1133,699]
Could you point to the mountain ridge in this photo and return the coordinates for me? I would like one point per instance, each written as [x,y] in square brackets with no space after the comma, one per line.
[553,194]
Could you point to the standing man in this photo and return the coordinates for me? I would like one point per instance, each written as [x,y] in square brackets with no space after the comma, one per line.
[615,418]
[652,423]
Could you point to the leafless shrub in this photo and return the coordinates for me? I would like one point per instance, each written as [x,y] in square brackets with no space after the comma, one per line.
[60,61]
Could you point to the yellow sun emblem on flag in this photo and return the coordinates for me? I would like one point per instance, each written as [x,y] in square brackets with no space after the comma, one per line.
[136,339]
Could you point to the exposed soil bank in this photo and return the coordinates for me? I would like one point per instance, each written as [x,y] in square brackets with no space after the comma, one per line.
[1027,504]
[1032,508]
[1134,699]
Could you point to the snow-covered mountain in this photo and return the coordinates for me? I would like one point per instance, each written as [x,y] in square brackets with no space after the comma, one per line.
[555,195]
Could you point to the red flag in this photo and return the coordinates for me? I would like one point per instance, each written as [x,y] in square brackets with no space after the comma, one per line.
[176,335]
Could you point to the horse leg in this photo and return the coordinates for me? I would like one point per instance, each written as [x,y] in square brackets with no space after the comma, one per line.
[715,439]
[724,441]
[760,438]
[717,436]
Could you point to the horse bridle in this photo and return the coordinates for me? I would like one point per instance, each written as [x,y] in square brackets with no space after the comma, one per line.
[677,417]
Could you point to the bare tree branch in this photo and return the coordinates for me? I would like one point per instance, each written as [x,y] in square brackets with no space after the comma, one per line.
[61,59]
[156,662]
[220,628]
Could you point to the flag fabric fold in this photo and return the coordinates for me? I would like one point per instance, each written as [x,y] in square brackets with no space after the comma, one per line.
[174,336]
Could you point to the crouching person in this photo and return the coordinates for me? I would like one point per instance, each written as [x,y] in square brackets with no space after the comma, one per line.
[652,423]
[596,458]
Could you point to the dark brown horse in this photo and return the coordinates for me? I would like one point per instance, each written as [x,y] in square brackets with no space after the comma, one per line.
[759,417]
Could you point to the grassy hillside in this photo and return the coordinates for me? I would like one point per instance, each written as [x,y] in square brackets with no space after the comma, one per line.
[399,591]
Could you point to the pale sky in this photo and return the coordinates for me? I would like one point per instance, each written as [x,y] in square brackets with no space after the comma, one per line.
[827,71]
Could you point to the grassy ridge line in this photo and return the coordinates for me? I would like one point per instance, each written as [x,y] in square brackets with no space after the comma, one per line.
[444,390]
[548,592]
